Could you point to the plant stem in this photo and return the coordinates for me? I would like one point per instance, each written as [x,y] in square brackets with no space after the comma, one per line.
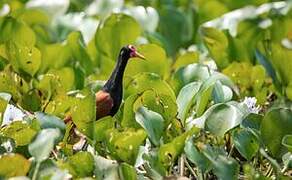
[231,150]
[275,166]
[181,165]
[35,173]
[191,169]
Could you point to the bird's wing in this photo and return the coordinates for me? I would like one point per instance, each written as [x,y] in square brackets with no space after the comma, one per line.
[104,104]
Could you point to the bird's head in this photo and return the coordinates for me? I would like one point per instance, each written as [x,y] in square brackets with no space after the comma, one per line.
[131,52]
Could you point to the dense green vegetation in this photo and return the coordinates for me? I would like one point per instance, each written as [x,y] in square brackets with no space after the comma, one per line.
[213,99]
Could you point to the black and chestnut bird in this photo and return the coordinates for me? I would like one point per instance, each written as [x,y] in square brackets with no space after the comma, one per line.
[109,98]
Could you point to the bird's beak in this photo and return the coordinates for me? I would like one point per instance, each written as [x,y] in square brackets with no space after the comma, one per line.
[138,55]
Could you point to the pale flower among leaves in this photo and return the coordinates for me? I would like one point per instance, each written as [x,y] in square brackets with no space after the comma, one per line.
[250,102]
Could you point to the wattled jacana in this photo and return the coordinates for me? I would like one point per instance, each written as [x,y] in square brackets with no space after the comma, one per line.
[109,98]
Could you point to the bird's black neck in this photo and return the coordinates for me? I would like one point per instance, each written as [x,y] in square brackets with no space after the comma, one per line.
[116,79]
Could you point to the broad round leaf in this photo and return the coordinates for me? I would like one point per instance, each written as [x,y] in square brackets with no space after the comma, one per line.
[185,99]
[246,143]
[42,146]
[195,156]
[217,44]
[125,145]
[12,165]
[186,59]
[49,121]
[25,58]
[147,81]
[219,118]
[82,164]
[66,77]
[160,103]
[152,122]
[83,112]
[78,51]
[223,118]
[156,61]
[54,56]
[16,31]
[101,126]
[169,152]
[20,131]
[188,74]
[226,168]
[118,30]
[105,168]
[221,93]
[276,124]
[127,171]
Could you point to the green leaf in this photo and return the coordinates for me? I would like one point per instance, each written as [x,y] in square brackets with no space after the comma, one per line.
[12,165]
[246,143]
[156,61]
[129,112]
[152,122]
[54,56]
[252,121]
[105,168]
[221,93]
[275,125]
[50,121]
[267,65]
[65,76]
[282,67]
[82,164]
[202,99]
[169,152]
[196,157]
[83,111]
[223,118]
[78,51]
[217,44]
[4,99]
[13,84]
[211,9]
[216,76]
[147,81]
[219,118]
[188,74]
[287,142]
[185,99]
[174,26]
[20,131]
[226,168]
[25,58]
[125,145]
[32,16]
[127,172]
[43,144]
[288,91]
[186,59]
[251,173]
[160,103]
[31,101]
[16,31]
[101,126]
[118,30]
